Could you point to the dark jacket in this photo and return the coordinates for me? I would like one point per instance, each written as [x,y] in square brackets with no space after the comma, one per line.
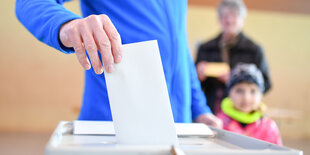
[245,50]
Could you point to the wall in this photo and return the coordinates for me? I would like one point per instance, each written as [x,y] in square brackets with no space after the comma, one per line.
[39,86]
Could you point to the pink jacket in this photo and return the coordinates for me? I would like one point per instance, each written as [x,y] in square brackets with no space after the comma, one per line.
[263,129]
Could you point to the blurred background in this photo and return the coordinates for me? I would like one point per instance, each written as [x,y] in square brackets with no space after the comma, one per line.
[40,86]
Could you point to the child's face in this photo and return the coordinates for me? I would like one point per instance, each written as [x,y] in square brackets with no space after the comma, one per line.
[245,96]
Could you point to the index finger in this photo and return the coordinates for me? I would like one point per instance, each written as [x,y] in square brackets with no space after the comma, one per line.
[114,37]
[79,49]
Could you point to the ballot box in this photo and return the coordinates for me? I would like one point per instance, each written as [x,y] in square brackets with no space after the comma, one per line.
[63,142]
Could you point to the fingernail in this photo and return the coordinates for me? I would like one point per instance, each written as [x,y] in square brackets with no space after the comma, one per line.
[111,68]
[101,70]
[98,71]
[118,58]
[88,66]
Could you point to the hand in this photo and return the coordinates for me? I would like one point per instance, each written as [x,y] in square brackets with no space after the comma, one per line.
[224,78]
[210,119]
[201,66]
[93,33]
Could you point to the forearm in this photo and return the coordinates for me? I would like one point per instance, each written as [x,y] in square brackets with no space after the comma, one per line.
[43,18]
[199,104]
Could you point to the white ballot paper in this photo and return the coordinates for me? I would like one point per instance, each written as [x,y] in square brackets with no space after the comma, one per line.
[139,97]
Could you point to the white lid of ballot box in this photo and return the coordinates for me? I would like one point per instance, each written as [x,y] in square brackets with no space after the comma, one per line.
[63,142]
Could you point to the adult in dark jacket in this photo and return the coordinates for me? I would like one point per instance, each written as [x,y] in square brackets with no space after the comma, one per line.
[231,46]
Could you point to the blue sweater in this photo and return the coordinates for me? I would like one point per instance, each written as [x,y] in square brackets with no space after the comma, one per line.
[162,20]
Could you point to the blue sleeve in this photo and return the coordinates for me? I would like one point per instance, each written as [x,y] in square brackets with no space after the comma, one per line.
[199,102]
[43,18]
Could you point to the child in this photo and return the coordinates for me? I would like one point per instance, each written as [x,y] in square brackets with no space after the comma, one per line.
[242,111]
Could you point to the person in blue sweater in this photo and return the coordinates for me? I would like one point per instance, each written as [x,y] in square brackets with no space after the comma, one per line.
[99,34]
